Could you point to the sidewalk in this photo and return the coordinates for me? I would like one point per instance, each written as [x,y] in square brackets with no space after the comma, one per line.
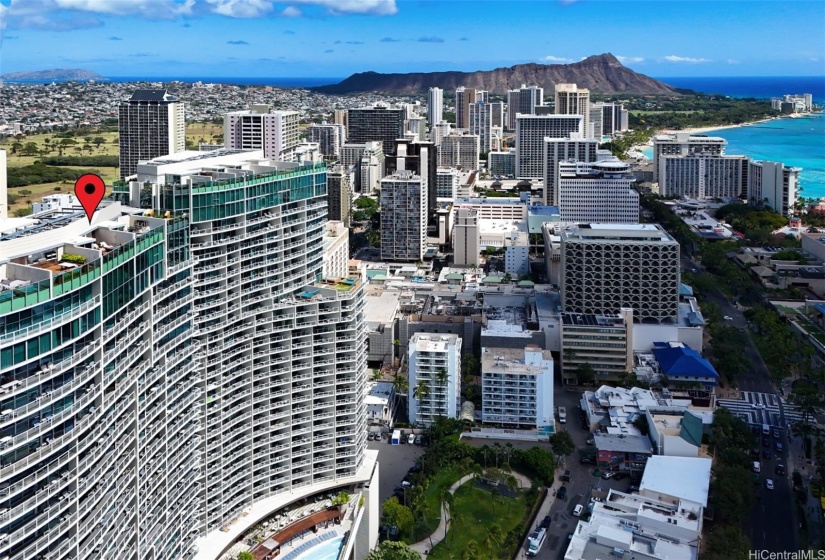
[812,507]
[543,510]
[422,547]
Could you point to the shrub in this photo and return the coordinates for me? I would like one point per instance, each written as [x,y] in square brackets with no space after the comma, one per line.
[74,259]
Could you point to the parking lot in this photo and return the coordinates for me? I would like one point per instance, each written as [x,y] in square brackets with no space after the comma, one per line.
[394,462]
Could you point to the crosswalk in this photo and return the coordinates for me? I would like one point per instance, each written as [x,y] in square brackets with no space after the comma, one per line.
[762,408]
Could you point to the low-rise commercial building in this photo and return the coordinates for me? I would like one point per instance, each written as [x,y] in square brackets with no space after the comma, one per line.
[380,403]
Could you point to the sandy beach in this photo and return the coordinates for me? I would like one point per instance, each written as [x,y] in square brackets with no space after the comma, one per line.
[703,129]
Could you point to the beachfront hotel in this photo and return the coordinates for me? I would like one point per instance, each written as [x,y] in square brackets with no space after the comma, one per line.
[178,371]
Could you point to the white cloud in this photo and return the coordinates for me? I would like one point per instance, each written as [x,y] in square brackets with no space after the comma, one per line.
[732,61]
[240,8]
[366,7]
[686,59]
[291,11]
[157,8]
[630,59]
[551,58]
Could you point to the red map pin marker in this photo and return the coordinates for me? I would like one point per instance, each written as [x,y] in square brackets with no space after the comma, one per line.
[90,189]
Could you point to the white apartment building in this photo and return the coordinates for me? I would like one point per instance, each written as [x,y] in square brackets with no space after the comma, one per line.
[372,168]
[259,128]
[151,123]
[417,126]
[523,101]
[447,183]
[435,105]
[336,250]
[330,139]
[55,202]
[459,150]
[434,377]
[611,117]
[517,388]
[683,144]
[380,403]
[701,176]
[498,111]
[351,153]
[439,130]
[403,217]
[607,267]
[187,381]
[556,150]
[773,184]
[639,526]
[531,130]
[517,253]
[466,238]
[572,100]
[597,192]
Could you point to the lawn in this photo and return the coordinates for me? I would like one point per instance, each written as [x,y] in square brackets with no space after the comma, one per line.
[476,512]
[432,497]
[196,132]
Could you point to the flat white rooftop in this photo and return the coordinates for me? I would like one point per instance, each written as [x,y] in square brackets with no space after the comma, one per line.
[687,478]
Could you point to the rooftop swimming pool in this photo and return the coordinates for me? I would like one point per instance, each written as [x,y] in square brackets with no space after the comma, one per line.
[327,550]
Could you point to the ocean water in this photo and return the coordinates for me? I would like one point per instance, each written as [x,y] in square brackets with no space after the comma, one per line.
[796,142]
[760,87]
[283,82]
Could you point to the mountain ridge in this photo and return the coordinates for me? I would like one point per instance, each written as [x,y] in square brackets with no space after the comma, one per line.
[56,74]
[602,73]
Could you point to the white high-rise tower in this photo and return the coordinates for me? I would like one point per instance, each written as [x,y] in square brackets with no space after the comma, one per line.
[435,105]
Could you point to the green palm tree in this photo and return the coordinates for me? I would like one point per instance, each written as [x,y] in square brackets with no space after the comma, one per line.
[471,551]
[421,392]
[512,484]
[494,538]
[443,379]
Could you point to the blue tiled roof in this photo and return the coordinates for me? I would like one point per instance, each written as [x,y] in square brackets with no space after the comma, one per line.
[682,361]
[685,290]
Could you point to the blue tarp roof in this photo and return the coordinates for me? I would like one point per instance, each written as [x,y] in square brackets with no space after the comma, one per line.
[820,307]
[682,360]
[695,318]
[685,290]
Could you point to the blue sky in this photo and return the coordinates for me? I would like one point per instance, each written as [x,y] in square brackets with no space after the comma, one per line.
[334,38]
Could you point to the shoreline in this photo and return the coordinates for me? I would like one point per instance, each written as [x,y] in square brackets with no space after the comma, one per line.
[703,129]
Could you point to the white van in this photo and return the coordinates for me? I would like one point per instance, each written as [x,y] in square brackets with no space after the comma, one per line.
[757,467]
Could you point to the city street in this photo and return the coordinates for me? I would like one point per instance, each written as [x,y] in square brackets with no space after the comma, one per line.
[772,525]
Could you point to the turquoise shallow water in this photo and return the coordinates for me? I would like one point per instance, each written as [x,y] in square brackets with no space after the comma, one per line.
[795,142]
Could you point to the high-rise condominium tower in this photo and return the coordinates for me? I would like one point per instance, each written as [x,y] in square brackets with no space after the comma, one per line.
[557,150]
[464,98]
[531,130]
[481,124]
[185,374]
[597,192]
[380,123]
[570,100]
[607,267]
[682,144]
[330,138]
[151,124]
[435,105]
[274,132]
[403,217]
[523,101]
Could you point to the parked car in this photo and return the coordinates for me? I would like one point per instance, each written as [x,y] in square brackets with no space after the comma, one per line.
[769,484]
[418,439]
[779,447]
[728,318]
[766,454]
[545,523]
[776,433]
[780,469]
[619,476]
[608,475]
[577,511]
[411,439]
[561,492]
[587,461]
